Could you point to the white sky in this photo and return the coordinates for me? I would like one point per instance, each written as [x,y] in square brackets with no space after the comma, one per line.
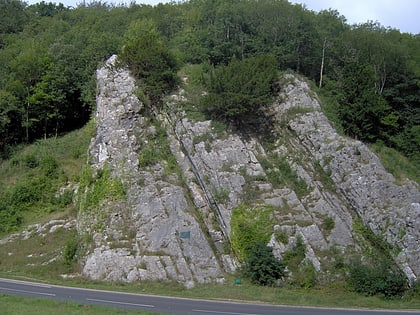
[400,14]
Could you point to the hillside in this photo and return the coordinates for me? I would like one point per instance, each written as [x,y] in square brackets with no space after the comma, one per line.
[252,139]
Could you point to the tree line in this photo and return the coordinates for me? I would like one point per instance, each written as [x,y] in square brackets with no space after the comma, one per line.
[49,53]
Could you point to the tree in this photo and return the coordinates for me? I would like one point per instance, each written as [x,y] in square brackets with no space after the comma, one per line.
[10,115]
[149,61]
[262,267]
[12,16]
[240,91]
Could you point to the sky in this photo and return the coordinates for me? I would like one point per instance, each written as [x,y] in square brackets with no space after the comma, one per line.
[400,14]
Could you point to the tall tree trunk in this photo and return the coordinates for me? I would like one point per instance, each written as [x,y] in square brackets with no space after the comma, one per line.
[322,62]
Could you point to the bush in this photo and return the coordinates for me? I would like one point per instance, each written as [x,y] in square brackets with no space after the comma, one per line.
[293,257]
[30,161]
[70,251]
[49,167]
[239,91]
[305,276]
[262,267]
[378,278]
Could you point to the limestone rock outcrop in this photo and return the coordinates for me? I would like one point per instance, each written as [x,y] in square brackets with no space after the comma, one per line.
[183,178]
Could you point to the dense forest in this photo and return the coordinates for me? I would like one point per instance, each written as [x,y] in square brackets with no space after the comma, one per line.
[368,74]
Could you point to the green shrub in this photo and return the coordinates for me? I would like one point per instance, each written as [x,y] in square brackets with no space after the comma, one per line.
[262,267]
[305,276]
[70,251]
[376,278]
[10,218]
[49,167]
[239,91]
[31,191]
[293,257]
[249,227]
[30,161]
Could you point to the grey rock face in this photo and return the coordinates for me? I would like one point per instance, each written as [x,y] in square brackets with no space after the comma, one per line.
[153,235]
[390,210]
[175,223]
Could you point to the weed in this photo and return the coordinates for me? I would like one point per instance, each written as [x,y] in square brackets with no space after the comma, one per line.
[328,224]
[221,195]
[250,226]
[281,236]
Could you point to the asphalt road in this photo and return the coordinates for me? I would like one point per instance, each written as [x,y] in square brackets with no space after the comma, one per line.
[168,305]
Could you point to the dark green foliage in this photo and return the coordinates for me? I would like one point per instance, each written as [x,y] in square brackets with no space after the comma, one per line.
[262,267]
[10,217]
[30,161]
[149,61]
[13,16]
[71,250]
[239,91]
[376,278]
[49,167]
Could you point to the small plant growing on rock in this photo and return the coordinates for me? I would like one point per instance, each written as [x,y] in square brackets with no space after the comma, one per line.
[328,224]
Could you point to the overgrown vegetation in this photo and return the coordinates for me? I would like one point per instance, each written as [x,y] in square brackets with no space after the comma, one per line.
[96,187]
[149,61]
[37,180]
[375,272]
[250,227]
[239,91]
[156,150]
[376,276]
[280,174]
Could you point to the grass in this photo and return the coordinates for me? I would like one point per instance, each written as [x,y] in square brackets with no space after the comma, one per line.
[33,181]
[18,305]
[39,257]
[280,174]
[396,163]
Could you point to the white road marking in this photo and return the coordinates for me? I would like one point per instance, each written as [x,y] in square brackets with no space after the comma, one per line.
[122,303]
[39,285]
[26,291]
[219,312]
